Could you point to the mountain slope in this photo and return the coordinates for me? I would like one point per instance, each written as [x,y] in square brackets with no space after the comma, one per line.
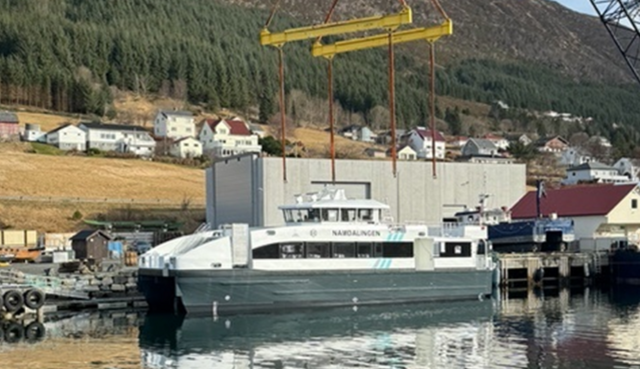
[532,30]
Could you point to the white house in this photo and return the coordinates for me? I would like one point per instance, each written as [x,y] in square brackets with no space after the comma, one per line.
[407,153]
[174,124]
[594,172]
[616,213]
[499,141]
[479,147]
[33,133]
[227,137]
[186,147]
[574,156]
[118,137]
[629,168]
[420,140]
[67,137]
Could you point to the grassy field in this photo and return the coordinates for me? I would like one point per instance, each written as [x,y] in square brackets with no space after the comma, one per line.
[46,121]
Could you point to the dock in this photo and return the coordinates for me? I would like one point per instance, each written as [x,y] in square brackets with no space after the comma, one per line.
[555,269]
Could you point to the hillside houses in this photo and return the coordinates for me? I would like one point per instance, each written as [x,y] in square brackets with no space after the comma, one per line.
[120,138]
[420,140]
[174,124]
[226,137]
[68,137]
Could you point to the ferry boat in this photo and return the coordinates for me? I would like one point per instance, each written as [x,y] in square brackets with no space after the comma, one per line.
[332,251]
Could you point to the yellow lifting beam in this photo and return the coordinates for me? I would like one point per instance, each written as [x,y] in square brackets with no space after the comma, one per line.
[430,34]
[331,29]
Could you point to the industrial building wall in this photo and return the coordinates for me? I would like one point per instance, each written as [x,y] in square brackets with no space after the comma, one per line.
[414,194]
[233,193]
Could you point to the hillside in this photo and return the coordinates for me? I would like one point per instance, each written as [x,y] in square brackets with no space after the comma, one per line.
[530,54]
[115,188]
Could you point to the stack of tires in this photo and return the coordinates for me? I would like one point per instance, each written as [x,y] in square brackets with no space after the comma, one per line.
[16,301]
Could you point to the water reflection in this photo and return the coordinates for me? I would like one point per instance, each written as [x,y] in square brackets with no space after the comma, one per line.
[552,328]
[412,336]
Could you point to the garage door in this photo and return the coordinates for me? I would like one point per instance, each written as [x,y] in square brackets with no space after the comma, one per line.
[354,190]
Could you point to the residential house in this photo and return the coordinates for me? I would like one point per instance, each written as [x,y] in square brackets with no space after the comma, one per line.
[479,147]
[420,139]
[606,210]
[457,141]
[385,137]
[9,125]
[227,137]
[593,172]
[257,130]
[500,142]
[33,133]
[67,137]
[574,156]
[174,124]
[521,138]
[407,153]
[120,138]
[629,168]
[358,133]
[91,244]
[375,153]
[554,145]
[186,147]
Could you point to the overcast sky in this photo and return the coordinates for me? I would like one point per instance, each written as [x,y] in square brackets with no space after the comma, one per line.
[583,6]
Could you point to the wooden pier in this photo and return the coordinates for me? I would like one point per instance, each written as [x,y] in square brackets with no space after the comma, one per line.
[551,269]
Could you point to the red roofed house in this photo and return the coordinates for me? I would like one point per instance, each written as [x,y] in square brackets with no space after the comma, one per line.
[226,137]
[598,211]
[420,140]
[9,126]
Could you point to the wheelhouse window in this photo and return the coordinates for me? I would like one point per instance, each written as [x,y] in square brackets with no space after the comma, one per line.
[317,250]
[365,215]
[267,252]
[364,250]
[292,250]
[330,215]
[348,215]
[344,250]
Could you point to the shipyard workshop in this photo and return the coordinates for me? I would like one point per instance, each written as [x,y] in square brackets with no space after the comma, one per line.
[249,188]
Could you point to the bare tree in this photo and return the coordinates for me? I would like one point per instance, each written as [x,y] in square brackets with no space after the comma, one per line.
[578,139]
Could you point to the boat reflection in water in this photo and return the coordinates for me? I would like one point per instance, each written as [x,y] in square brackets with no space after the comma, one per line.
[419,336]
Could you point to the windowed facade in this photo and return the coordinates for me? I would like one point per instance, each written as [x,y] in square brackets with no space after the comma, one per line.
[331,215]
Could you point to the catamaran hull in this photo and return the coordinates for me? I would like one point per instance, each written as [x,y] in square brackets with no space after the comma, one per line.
[243,290]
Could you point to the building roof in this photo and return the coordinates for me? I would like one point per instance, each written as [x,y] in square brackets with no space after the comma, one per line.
[592,165]
[114,127]
[8,117]
[181,113]
[236,127]
[483,144]
[491,136]
[573,201]
[542,141]
[426,133]
[59,128]
[87,233]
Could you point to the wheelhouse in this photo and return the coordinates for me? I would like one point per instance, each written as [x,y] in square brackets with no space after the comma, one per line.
[332,206]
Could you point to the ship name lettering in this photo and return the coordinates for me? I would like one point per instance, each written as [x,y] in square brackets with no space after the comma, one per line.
[356,233]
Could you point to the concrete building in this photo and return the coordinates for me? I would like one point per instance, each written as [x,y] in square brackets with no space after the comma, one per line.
[249,188]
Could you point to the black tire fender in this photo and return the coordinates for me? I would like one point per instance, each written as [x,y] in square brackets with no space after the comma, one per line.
[34,332]
[13,332]
[13,301]
[34,299]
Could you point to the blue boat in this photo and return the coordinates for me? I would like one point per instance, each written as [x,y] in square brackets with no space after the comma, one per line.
[531,235]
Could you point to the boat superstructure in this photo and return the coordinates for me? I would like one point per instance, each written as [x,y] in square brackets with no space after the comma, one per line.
[331,251]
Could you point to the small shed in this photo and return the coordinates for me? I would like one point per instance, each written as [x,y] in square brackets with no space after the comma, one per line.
[91,244]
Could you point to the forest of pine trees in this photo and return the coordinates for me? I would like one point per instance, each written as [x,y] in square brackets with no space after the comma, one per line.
[66,55]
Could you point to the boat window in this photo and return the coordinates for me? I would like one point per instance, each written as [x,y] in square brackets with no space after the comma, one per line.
[287,216]
[377,249]
[344,250]
[348,215]
[397,249]
[300,215]
[364,250]
[314,215]
[316,250]
[364,215]
[267,252]
[330,215]
[455,249]
[482,247]
[292,250]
